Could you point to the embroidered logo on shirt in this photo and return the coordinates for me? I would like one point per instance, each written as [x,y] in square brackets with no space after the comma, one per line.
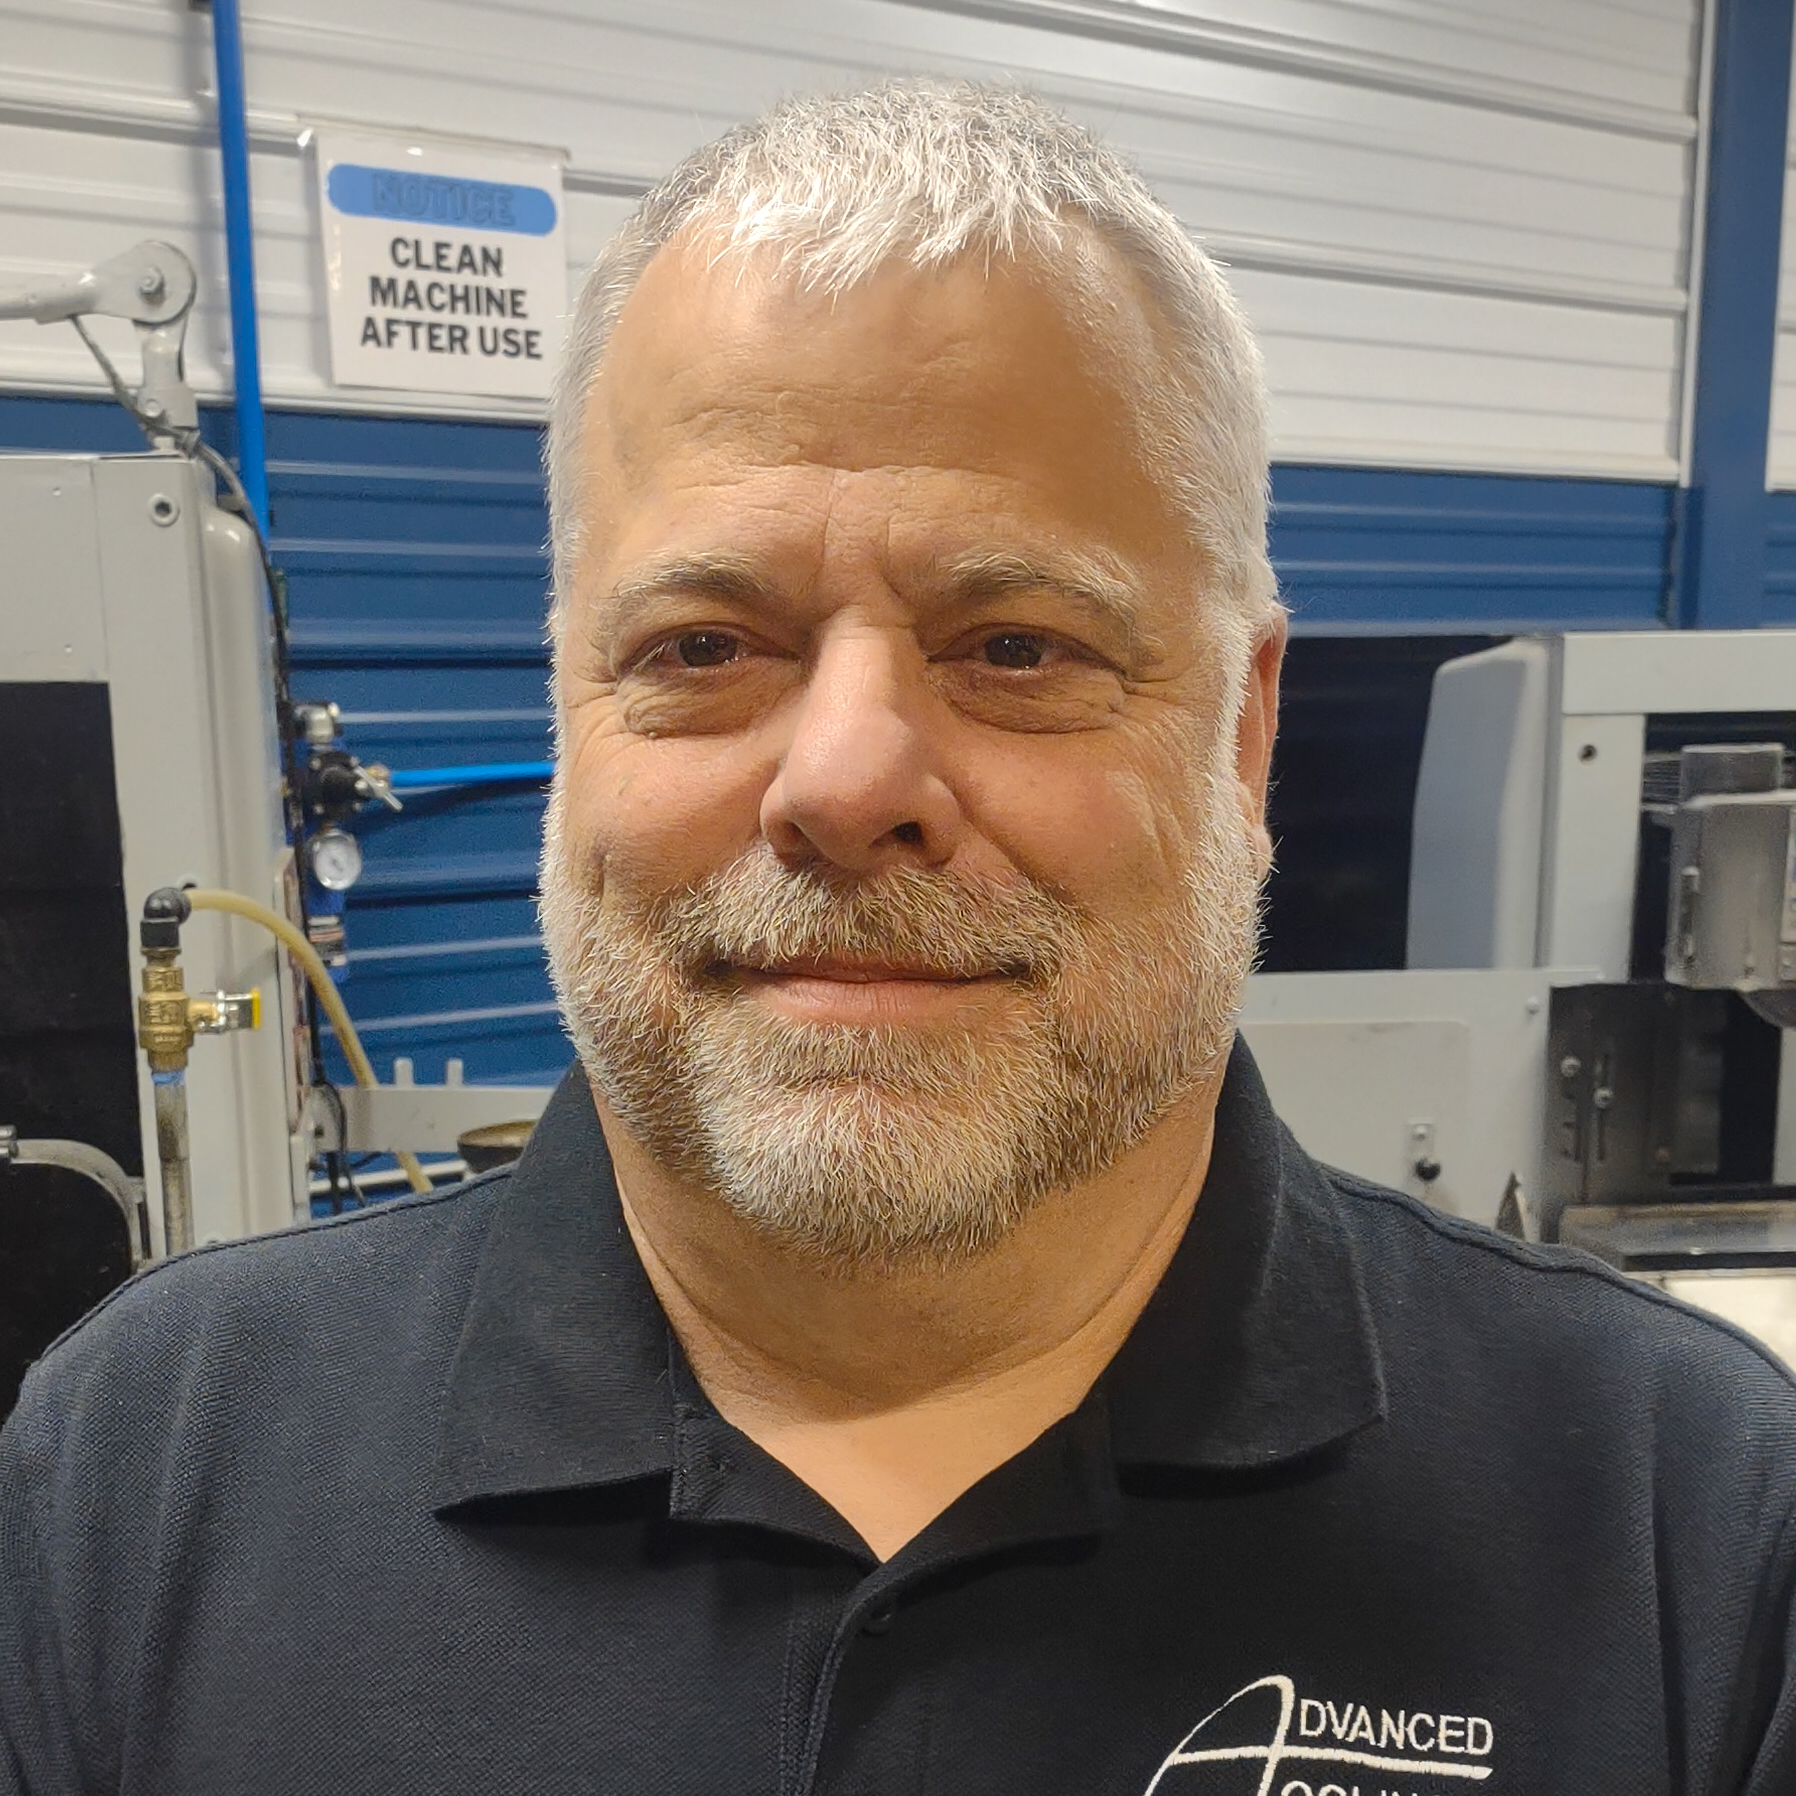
[1266,1740]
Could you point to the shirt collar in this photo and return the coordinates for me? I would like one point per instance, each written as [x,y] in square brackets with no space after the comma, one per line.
[561,1378]
[1257,1347]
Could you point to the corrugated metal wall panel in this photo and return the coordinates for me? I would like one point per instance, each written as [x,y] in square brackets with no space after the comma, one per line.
[417,587]
[1574,55]
[1358,549]
[1780,562]
[1463,229]
[1598,387]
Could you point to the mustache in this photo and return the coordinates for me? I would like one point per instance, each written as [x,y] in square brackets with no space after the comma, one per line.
[759,913]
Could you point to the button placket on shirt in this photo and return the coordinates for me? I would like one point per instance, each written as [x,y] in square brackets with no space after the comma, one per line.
[829,1603]
[865,1622]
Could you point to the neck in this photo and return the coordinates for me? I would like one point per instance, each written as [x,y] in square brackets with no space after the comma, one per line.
[891,1390]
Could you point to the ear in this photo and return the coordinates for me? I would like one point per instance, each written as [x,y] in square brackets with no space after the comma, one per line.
[1255,730]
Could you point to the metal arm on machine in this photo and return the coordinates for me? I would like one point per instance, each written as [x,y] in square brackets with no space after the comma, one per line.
[153,285]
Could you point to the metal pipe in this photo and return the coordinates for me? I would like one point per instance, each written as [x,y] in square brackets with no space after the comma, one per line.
[478,773]
[240,255]
[172,1151]
[165,1033]
[78,1157]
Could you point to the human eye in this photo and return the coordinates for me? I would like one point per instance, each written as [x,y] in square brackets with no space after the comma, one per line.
[1019,649]
[697,648]
[1022,677]
[702,679]
[1022,648]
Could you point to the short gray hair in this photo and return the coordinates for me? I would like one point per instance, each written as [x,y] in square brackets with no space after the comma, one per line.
[918,171]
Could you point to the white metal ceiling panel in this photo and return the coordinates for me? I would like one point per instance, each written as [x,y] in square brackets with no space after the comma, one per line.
[1462,228]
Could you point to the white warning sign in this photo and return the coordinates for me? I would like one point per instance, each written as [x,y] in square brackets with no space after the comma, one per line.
[446,264]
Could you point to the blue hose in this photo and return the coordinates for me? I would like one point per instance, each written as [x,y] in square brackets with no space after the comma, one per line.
[240,255]
[480,773]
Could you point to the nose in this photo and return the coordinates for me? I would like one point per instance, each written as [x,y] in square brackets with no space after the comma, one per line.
[860,784]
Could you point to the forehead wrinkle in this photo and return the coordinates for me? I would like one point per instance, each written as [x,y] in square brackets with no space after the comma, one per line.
[1081,579]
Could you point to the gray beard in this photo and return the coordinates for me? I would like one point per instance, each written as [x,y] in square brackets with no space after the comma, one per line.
[887,1145]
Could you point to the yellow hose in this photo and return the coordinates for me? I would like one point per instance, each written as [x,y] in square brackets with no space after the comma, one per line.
[208,898]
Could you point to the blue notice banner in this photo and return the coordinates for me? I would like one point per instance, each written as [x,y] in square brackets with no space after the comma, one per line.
[417,198]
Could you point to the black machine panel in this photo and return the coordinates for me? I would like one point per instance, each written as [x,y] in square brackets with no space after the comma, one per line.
[67,1054]
[1352,717]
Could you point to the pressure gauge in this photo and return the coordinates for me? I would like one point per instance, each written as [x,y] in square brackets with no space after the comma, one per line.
[336,859]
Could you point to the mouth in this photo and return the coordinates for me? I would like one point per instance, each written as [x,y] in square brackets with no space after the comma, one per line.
[863,972]
[861,991]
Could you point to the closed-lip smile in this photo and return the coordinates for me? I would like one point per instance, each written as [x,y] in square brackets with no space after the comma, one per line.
[861,972]
[863,993]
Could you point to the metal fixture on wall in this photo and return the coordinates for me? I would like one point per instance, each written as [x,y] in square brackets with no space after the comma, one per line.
[168,1021]
[153,286]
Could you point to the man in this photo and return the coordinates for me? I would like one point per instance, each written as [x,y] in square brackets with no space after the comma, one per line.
[910,1355]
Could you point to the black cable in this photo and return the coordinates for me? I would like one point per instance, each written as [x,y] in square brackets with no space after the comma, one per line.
[188,441]
[355,1190]
[334,1195]
[333,1172]
[338,1165]
[433,801]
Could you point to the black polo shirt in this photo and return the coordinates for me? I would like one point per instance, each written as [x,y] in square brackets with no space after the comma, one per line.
[428,1500]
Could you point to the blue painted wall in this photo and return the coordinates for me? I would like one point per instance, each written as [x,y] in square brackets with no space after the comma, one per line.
[1780,562]
[414,552]
[1361,549]
[417,588]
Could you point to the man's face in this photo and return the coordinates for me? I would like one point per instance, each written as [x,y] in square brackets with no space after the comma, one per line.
[904,847]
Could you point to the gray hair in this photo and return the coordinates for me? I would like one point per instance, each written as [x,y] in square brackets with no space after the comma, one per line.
[836,186]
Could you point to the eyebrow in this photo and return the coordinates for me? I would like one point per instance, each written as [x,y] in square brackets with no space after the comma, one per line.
[717,576]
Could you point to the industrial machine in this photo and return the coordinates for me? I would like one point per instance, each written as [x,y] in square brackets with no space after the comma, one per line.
[1592,1040]
[157,756]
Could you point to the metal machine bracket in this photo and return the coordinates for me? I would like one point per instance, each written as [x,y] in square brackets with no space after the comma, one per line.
[153,285]
[431,1118]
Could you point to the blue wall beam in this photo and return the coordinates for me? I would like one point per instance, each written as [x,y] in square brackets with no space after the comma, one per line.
[240,254]
[1726,511]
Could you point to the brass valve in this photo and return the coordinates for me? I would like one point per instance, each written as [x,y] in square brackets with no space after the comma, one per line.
[164,1019]
[218,1013]
[168,1017]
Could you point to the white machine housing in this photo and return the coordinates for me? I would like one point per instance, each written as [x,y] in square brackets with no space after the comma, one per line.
[1523,874]
[122,569]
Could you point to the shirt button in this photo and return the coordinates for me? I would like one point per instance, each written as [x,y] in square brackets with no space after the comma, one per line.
[876,1621]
